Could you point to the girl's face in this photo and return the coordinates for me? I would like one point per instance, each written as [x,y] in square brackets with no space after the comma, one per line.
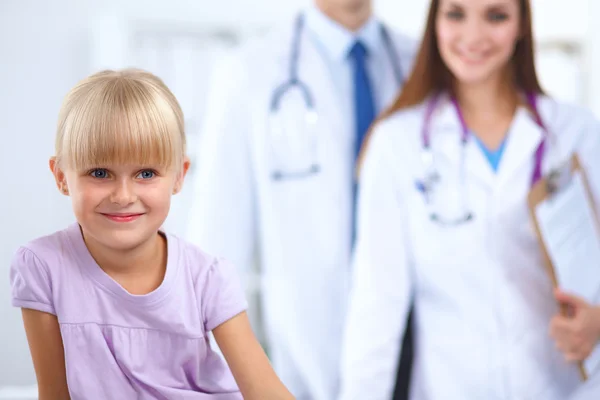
[120,206]
[477,38]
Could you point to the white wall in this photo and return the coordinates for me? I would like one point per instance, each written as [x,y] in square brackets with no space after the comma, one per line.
[45,49]
[43,52]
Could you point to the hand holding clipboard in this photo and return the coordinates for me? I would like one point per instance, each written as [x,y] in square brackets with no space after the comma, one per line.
[566,222]
[576,334]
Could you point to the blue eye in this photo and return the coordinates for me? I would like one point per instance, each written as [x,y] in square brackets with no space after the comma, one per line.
[454,15]
[497,17]
[146,174]
[99,173]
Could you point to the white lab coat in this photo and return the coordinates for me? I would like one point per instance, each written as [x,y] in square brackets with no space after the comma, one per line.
[483,299]
[298,230]
[590,390]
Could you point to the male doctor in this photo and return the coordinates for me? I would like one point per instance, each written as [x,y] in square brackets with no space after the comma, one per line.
[275,186]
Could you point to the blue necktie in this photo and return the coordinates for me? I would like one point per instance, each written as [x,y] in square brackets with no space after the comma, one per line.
[364,108]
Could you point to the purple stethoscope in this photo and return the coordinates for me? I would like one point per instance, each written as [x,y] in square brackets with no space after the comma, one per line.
[432,177]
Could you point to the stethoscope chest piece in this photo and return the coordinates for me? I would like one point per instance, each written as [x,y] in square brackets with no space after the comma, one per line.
[429,187]
[294,138]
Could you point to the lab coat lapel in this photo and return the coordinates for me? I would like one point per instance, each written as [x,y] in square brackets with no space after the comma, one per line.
[523,140]
[446,132]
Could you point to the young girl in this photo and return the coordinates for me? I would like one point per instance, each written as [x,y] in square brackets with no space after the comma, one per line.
[113,306]
[443,221]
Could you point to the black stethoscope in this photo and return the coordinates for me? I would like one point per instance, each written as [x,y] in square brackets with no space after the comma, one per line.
[311,115]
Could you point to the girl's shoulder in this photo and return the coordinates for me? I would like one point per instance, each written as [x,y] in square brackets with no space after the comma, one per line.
[48,251]
[38,267]
[216,281]
[194,258]
[204,267]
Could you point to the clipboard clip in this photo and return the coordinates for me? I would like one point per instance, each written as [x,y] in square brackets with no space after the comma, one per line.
[559,178]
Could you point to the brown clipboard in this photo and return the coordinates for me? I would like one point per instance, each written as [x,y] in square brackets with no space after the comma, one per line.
[542,191]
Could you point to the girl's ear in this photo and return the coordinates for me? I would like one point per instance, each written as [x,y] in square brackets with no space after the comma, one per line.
[181,176]
[59,176]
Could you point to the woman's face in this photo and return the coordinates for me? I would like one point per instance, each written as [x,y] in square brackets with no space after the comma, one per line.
[477,38]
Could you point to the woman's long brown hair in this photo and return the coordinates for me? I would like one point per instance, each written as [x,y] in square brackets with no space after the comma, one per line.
[431,75]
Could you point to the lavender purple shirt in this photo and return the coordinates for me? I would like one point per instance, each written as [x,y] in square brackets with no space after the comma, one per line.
[123,346]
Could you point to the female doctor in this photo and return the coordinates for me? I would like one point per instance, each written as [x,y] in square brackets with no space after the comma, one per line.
[486,322]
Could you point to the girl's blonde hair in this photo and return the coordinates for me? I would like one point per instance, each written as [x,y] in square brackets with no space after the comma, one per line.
[120,117]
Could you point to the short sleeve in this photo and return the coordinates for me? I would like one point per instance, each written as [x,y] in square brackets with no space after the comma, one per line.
[30,282]
[222,295]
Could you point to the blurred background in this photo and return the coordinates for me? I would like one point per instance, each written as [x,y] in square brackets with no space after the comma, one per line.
[47,46]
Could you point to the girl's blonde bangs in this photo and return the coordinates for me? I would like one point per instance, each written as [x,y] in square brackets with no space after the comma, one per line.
[119,119]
